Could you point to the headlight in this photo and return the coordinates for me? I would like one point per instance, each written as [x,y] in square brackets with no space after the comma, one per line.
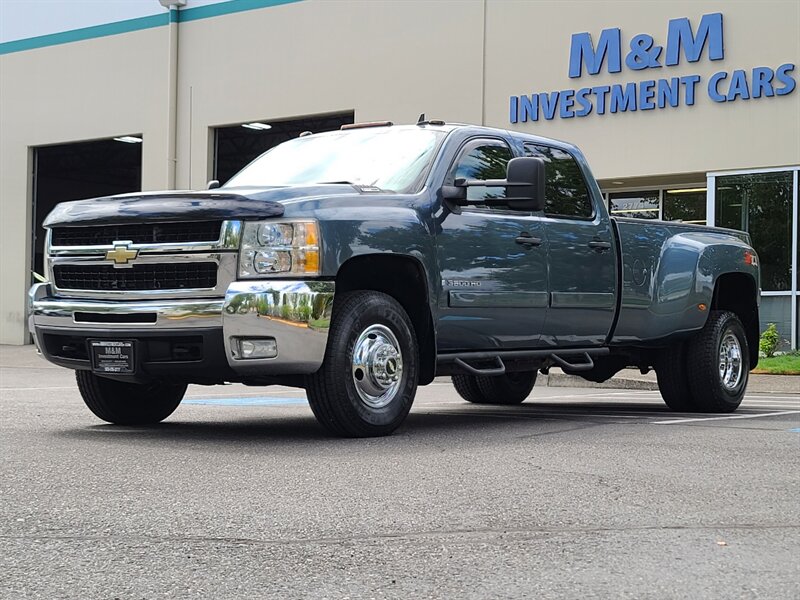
[272,248]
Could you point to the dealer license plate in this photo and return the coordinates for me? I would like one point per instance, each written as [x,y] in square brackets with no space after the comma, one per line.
[112,356]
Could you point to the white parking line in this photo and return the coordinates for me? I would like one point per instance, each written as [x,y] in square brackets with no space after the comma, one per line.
[772,414]
[37,389]
[535,416]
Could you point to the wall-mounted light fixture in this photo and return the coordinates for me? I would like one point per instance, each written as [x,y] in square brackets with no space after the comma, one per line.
[257,126]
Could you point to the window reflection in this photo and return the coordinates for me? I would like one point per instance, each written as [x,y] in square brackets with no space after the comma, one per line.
[761,204]
[685,205]
[566,194]
[487,161]
[637,205]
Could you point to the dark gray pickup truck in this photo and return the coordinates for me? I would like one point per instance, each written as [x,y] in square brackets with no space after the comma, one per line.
[361,263]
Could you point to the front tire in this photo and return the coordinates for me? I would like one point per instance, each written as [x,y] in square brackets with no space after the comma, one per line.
[122,403]
[368,379]
[718,363]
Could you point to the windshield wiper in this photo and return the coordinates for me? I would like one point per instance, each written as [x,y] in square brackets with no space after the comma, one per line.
[359,186]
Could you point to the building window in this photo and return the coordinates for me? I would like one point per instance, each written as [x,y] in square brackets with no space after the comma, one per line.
[637,205]
[761,204]
[765,204]
[686,205]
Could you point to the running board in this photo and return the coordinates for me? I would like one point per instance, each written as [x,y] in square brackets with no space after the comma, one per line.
[586,365]
[462,359]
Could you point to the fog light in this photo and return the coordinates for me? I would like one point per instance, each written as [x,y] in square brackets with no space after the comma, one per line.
[258,348]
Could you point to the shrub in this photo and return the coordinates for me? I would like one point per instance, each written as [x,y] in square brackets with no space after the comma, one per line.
[769,341]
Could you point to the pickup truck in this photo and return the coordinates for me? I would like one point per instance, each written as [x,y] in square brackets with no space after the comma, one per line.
[359,264]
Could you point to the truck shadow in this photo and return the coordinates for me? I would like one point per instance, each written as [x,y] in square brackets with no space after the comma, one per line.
[424,424]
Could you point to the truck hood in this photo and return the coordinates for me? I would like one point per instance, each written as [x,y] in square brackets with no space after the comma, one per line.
[235,203]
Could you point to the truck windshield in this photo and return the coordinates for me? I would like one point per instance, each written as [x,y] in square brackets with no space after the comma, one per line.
[386,158]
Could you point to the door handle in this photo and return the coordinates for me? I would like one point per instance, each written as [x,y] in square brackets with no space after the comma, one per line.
[528,240]
[599,246]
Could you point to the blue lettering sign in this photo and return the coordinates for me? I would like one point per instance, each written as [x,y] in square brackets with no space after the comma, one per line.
[600,91]
[713,86]
[682,40]
[762,82]
[668,92]
[646,94]
[782,73]
[680,37]
[529,107]
[548,104]
[689,82]
[643,54]
[582,52]
[623,100]
[586,104]
[738,86]
[567,101]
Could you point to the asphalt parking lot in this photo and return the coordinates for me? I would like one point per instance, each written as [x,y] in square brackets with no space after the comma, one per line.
[576,493]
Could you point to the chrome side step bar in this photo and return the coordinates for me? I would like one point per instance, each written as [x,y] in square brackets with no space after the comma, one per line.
[462,359]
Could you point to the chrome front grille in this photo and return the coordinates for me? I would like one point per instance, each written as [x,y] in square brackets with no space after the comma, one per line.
[159,260]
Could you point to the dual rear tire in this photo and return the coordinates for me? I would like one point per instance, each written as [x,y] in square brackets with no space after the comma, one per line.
[511,388]
[708,372]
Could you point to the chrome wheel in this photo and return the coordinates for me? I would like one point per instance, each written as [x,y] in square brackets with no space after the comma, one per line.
[377,366]
[730,361]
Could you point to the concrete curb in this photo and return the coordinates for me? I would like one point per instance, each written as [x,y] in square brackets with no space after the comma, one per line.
[631,379]
[559,379]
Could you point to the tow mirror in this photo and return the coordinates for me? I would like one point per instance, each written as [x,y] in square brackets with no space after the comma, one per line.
[525,188]
[455,193]
[524,185]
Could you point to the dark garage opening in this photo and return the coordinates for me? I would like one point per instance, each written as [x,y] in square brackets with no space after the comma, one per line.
[237,145]
[81,170]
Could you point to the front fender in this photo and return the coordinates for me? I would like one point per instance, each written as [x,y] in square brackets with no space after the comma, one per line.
[352,227]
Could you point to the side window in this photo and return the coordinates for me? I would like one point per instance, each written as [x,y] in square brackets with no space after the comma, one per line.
[566,194]
[483,159]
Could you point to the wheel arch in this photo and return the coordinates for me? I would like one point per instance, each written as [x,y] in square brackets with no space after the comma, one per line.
[404,278]
[738,293]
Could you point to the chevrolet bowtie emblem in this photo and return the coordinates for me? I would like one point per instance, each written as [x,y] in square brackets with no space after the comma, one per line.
[121,254]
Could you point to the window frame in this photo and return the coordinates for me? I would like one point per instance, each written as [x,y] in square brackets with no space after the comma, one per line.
[589,195]
[468,145]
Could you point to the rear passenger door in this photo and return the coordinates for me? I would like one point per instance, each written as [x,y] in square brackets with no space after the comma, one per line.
[581,255]
[492,260]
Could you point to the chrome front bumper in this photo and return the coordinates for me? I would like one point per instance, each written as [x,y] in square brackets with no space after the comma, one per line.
[295,313]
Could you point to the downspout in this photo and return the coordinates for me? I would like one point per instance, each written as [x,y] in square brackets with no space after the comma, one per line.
[172,91]
[483,67]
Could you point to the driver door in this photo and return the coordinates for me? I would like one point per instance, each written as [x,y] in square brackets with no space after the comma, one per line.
[492,260]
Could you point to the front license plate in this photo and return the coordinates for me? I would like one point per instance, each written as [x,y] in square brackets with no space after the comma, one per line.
[112,356]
